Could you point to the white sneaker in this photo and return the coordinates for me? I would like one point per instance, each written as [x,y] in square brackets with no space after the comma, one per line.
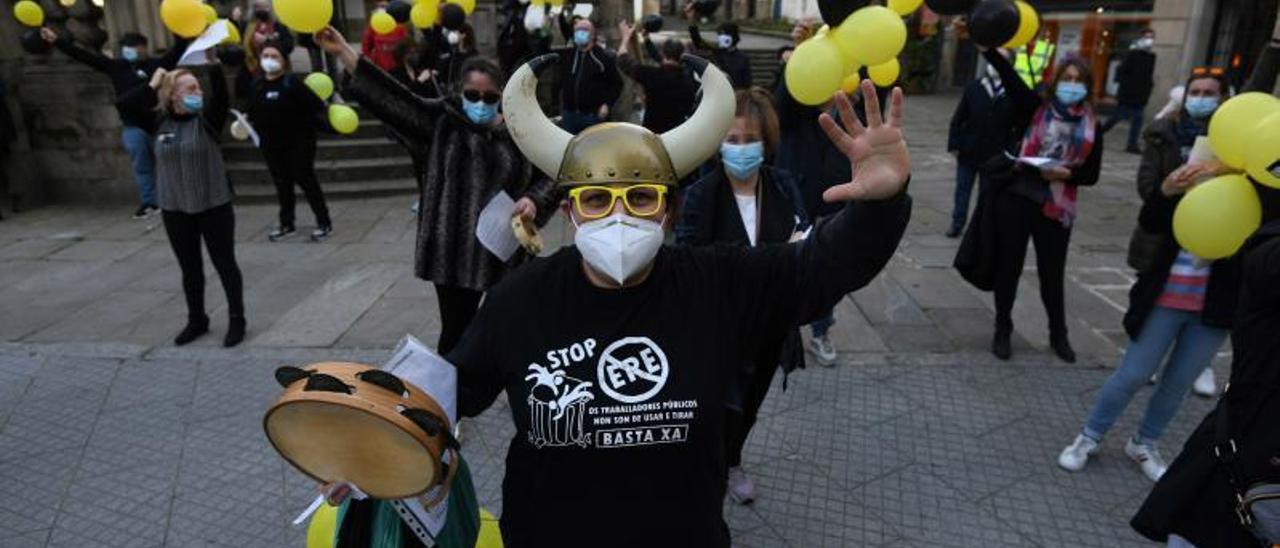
[1205,385]
[1148,458]
[1075,456]
[741,490]
[824,351]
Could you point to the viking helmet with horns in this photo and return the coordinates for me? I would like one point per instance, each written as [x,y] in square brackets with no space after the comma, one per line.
[617,152]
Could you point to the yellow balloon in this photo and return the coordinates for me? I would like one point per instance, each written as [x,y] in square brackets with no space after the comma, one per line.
[1216,217]
[210,14]
[323,527]
[321,84]
[28,13]
[185,18]
[467,6]
[233,33]
[382,22]
[425,13]
[871,35]
[850,84]
[490,536]
[556,2]
[1233,125]
[1028,26]
[815,70]
[885,74]
[343,119]
[904,7]
[304,15]
[1262,155]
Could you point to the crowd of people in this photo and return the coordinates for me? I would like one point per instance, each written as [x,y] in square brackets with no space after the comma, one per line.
[777,209]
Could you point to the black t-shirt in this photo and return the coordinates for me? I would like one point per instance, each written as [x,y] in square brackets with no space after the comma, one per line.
[284,111]
[669,95]
[617,394]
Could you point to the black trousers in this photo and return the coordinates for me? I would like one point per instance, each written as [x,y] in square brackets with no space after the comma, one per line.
[217,228]
[458,307]
[738,422]
[296,164]
[1017,220]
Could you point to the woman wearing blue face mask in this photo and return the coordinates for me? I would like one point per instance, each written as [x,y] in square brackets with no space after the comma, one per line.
[747,203]
[1061,150]
[1179,302]
[467,159]
[192,189]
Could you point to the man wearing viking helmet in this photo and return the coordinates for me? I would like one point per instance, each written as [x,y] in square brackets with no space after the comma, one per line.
[654,333]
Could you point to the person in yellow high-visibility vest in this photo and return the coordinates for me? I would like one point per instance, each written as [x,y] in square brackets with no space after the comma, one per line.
[1031,64]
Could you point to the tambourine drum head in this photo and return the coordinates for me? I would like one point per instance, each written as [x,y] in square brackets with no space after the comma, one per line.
[332,442]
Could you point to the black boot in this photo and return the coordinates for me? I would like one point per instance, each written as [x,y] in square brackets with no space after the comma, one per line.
[1000,344]
[235,332]
[195,327]
[1062,347]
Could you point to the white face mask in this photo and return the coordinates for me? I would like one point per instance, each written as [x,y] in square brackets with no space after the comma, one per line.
[271,65]
[452,37]
[620,245]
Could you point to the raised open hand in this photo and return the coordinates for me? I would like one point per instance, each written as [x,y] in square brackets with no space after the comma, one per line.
[332,41]
[877,152]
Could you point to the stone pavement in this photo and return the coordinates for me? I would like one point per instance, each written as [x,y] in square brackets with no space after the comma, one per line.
[110,436]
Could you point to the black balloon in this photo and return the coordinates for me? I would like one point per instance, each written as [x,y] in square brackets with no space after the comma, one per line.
[834,12]
[651,23]
[32,43]
[993,22]
[452,17]
[399,11]
[950,7]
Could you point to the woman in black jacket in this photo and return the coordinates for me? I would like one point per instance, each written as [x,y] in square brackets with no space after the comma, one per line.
[1061,135]
[193,191]
[286,113]
[1179,303]
[1195,499]
[468,158]
[747,202]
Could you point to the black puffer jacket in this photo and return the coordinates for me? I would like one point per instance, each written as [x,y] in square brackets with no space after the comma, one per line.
[463,167]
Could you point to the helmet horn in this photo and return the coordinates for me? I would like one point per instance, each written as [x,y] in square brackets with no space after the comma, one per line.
[699,137]
[540,140]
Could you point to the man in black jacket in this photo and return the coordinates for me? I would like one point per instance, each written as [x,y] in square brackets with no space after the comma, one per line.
[979,130]
[1136,80]
[589,78]
[725,51]
[132,69]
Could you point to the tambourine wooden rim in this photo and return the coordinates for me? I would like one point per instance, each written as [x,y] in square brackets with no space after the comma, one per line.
[373,402]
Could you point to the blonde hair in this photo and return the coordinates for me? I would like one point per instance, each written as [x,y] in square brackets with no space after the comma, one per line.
[164,93]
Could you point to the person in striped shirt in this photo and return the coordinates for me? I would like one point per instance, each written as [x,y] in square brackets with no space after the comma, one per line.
[1181,305]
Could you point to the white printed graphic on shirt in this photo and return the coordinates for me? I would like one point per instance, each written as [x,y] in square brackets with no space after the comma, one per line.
[631,371]
[557,402]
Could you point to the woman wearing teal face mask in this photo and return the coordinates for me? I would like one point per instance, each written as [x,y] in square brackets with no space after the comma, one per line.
[468,157]
[192,189]
[749,203]
[1179,302]
[1060,136]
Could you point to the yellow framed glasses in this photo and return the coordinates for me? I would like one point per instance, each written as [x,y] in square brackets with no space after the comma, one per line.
[595,202]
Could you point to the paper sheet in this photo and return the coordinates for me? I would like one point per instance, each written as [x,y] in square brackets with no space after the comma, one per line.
[214,35]
[244,120]
[583,10]
[1201,152]
[415,363]
[1038,161]
[494,227]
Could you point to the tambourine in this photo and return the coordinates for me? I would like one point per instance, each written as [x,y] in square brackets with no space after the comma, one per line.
[527,235]
[355,423]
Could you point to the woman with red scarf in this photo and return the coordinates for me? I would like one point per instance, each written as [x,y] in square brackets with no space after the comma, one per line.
[1061,150]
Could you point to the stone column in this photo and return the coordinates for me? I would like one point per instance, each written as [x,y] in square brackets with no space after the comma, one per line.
[1182,28]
